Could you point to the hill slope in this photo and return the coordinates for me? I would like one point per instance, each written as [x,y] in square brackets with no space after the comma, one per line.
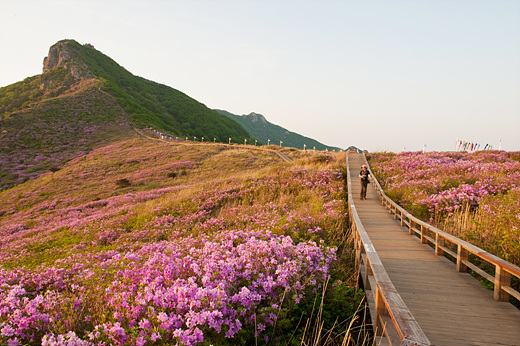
[84,100]
[141,232]
[153,104]
[49,131]
[262,130]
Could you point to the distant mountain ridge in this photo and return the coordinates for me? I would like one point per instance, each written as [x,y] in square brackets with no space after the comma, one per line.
[262,130]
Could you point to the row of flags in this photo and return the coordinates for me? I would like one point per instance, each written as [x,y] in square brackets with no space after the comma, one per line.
[468,146]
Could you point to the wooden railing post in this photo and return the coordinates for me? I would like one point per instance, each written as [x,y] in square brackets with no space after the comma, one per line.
[380,310]
[424,240]
[462,255]
[439,241]
[502,278]
[356,248]
[410,228]
[402,218]
[358,252]
[368,272]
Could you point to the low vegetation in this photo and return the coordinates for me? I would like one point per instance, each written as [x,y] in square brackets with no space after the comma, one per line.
[46,135]
[234,248]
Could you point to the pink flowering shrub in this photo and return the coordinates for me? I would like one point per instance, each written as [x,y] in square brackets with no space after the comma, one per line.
[445,188]
[495,225]
[444,182]
[174,291]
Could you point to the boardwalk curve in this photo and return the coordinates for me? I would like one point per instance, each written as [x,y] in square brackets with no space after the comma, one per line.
[451,307]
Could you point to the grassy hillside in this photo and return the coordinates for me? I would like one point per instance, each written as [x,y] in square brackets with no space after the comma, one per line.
[25,95]
[262,130]
[85,102]
[43,136]
[157,105]
[145,242]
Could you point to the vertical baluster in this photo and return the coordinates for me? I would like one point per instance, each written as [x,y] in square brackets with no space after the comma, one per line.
[368,271]
[380,310]
[502,278]
[424,240]
[462,255]
[439,241]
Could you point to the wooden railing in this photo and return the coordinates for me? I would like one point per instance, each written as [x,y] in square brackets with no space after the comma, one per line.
[442,241]
[391,317]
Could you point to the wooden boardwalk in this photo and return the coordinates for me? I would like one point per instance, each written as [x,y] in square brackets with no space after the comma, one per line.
[451,307]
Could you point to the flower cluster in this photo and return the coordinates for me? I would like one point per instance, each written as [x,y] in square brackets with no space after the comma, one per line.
[444,182]
[175,291]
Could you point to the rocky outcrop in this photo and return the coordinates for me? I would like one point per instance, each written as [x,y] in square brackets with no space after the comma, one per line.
[58,56]
[62,54]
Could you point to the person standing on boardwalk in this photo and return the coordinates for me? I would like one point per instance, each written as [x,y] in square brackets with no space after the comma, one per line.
[365,176]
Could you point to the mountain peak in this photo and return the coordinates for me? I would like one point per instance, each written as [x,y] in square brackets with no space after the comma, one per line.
[255,117]
[266,132]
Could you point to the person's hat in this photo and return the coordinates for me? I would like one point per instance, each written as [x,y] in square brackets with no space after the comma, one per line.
[364,166]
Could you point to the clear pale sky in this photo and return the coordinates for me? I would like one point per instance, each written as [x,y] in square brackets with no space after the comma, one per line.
[382,75]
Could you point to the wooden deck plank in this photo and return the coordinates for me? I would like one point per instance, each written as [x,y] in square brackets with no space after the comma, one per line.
[451,307]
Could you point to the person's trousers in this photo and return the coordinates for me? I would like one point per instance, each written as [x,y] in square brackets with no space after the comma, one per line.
[364,185]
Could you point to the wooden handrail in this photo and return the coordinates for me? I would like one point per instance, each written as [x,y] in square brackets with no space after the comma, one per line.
[392,317]
[503,269]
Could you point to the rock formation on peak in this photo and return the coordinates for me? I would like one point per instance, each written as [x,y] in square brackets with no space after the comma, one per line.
[63,54]
[58,55]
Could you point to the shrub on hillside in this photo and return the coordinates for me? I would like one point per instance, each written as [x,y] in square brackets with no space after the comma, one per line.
[122,183]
